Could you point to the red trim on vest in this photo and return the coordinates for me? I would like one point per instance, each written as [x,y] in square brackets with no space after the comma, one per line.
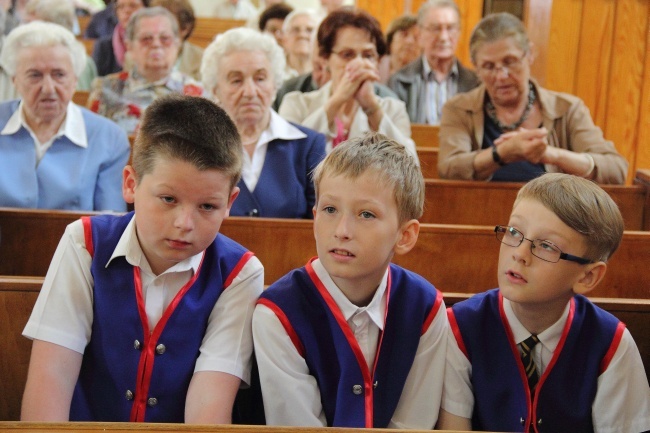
[238,267]
[352,341]
[147,358]
[432,314]
[454,328]
[520,365]
[88,235]
[613,347]
[285,324]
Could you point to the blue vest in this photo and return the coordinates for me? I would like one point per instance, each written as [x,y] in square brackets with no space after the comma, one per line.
[565,392]
[128,373]
[351,395]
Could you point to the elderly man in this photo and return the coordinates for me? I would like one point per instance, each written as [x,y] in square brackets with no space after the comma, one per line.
[426,83]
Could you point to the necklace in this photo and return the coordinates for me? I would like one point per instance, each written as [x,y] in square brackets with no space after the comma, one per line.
[492,112]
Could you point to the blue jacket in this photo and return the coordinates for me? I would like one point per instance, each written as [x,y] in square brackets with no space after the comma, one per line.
[351,395]
[68,176]
[127,372]
[565,392]
[285,188]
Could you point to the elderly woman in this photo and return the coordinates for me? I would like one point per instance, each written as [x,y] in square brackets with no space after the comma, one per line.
[153,42]
[242,69]
[297,36]
[351,41]
[109,52]
[511,129]
[403,48]
[54,154]
[189,55]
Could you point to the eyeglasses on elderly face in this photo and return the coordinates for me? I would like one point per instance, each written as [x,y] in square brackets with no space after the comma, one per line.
[166,39]
[545,250]
[509,65]
[348,55]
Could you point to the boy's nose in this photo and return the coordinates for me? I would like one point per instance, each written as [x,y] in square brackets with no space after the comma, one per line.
[342,228]
[523,252]
[184,219]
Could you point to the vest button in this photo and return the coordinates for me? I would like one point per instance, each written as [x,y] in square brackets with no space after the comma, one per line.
[539,421]
[160,349]
[152,401]
[522,421]
[375,385]
[136,345]
[128,394]
[357,389]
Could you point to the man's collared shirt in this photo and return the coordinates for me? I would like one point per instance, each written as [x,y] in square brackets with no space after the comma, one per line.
[438,91]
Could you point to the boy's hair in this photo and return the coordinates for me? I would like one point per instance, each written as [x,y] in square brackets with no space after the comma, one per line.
[583,206]
[394,164]
[191,129]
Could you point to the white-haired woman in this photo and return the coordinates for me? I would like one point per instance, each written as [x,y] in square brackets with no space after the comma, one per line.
[298,29]
[54,154]
[242,69]
[153,40]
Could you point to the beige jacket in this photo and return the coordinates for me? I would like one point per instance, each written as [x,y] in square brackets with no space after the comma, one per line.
[565,116]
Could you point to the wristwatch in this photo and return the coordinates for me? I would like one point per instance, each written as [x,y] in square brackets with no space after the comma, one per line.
[495,156]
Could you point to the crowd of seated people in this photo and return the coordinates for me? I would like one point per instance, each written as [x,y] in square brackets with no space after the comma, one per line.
[307,115]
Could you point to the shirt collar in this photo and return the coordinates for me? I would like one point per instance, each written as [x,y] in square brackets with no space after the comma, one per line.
[376,309]
[129,247]
[73,126]
[280,129]
[426,69]
[549,338]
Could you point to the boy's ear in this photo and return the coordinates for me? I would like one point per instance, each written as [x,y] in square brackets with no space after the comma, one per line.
[408,236]
[233,195]
[593,275]
[129,182]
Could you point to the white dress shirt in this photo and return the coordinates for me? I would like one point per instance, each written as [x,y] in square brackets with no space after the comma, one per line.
[63,313]
[291,394]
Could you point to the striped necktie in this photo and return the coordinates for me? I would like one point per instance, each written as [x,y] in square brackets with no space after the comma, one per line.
[527,358]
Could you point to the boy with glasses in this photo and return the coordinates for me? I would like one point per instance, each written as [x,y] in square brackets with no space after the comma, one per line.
[535,354]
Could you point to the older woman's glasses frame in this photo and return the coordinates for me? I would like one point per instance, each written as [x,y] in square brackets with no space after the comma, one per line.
[542,249]
[347,55]
[148,40]
[510,65]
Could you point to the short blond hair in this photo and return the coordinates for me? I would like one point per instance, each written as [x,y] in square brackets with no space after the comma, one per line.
[393,163]
[583,206]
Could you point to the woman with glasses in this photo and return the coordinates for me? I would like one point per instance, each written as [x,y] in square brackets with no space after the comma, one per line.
[351,42]
[510,128]
[153,42]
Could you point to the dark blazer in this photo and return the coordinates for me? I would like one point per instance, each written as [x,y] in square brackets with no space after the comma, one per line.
[104,57]
[102,23]
[304,83]
[285,188]
[409,85]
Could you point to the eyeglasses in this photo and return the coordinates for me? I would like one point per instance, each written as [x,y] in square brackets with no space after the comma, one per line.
[148,40]
[510,65]
[296,30]
[540,248]
[348,55]
[437,29]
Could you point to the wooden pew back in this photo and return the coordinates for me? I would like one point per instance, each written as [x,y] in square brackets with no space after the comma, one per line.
[490,203]
[428,161]
[207,28]
[456,258]
[425,135]
[18,295]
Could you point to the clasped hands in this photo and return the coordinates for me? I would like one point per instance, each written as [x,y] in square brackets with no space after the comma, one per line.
[357,83]
[526,145]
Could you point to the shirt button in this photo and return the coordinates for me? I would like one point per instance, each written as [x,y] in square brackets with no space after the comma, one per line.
[160,349]
[152,401]
[357,389]
[128,394]
[136,345]
[539,421]
[522,421]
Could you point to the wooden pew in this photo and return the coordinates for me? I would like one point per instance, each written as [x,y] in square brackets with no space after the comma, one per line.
[18,295]
[428,161]
[642,177]
[490,203]
[456,258]
[207,28]
[425,135]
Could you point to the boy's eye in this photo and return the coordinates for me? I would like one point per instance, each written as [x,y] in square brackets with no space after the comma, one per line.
[167,199]
[547,246]
[329,209]
[208,206]
[367,215]
[513,232]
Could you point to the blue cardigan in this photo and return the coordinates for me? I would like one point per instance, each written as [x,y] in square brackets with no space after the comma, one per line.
[68,176]
[285,188]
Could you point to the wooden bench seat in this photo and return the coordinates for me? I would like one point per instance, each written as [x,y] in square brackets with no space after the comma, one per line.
[428,161]
[425,135]
[490,203]
[206,28]
[18,295]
